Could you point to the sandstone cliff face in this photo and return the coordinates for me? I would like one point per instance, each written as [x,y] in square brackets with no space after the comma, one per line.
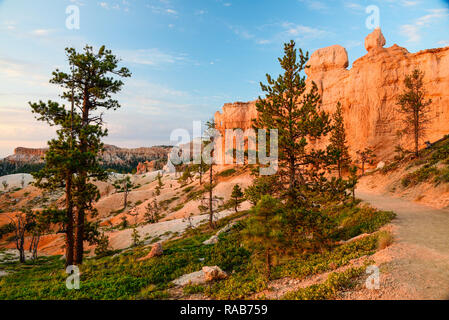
[236,115]
[368,93]
[27,155]
[112,157]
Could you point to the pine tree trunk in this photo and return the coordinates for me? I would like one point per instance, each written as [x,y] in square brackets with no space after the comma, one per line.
[416,142]
[292,178]
[339,168]
[268,263]
[211,209]
[69,226]
[79,236]
[416,132]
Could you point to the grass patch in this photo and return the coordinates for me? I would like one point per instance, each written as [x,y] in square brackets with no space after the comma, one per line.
[335,283]
[123,277]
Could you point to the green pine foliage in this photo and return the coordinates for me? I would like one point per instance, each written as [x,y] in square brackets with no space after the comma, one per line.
[338,149]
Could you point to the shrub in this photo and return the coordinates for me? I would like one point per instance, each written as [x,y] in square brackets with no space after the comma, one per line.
[193,289]
[422,174]
[384,240]
[227,173]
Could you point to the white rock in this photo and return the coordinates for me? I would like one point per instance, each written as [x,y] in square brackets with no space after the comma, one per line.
[380,165]
[190,278]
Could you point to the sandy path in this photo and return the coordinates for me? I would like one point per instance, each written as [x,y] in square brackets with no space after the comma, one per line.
[416,266]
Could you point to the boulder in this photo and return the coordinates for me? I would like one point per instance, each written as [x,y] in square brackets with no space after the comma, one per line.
[156,251]
[199,277]
[380,165]
[211,240]
[374,40]
[214,238]
[329,58]
[191,278]
[213,273]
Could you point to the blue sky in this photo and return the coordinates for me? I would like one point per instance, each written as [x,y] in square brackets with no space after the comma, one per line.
[188,57]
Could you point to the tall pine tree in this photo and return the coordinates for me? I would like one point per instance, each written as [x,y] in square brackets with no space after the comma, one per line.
[415,108]
[89,87]
[294,111]
[338,150]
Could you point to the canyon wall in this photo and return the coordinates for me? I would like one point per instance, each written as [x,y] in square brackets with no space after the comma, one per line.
[26,160]
[368,93]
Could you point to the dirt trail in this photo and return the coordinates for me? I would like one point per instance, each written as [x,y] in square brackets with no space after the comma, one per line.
[416,266]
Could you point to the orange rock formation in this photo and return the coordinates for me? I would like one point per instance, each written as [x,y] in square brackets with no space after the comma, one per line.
[368,92]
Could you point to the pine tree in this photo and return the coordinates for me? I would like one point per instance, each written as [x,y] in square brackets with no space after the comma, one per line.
[152,214]
[366,156]
[124,185]
[124,224]
[352,181]
[89,87]
[415,108]
[264,230]
[236,197]
[294,111]
[136,238]
[61,160]
[338,149]
[102,249]
[209,187]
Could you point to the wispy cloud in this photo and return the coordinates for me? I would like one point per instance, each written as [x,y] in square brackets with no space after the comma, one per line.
[41,32]
[444,43]
[242,32]
[413,31]
[115,5]
[354,6]
[315,5]
[283,31]
[151,57]
[301,31]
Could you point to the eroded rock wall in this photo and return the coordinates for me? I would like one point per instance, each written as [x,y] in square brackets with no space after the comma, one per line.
[368,93]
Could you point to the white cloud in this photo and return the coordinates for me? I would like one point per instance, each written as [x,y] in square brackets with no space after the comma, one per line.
[41,32]
[353,6]
[444,43]
[299,31]
[171,11]
[117,5]
[150,57]
[434,14]
[409,3]
[315,5]
[242,32]
[412,31]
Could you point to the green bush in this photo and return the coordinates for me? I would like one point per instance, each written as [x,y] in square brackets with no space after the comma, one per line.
[227,173]
[421,175]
